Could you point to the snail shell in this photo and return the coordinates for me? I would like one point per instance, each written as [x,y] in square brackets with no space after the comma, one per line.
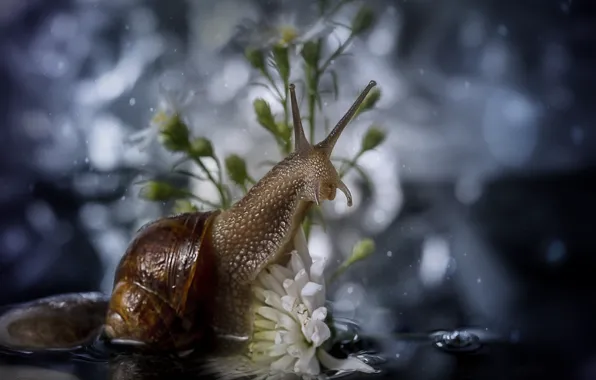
[164,285]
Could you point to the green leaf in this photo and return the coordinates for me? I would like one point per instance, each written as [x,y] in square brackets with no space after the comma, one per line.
[180,162]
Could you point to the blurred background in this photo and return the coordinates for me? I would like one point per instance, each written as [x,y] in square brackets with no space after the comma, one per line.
[482,209]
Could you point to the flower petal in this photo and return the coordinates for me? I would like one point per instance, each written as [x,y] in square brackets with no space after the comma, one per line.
[291,288]
[308,363]
[270,283]
[320,314]
[317,270]
[280,273]
[291,337]
[296,262]
[297,349]
[258,292]
[308,329]
[288,323]
[284,363]
[261,346]
[278,349]
[301,280]
[289,304]
[264,324]
[321,333]
[273,299]
[302,313]
[301,247]
[267,335]
[309,295]
[269,313]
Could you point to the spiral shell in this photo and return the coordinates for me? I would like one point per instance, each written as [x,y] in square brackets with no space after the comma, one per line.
[163,293]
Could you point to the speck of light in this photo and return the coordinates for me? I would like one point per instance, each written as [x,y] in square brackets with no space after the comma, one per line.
[435,260]
[556,251]
[105,143]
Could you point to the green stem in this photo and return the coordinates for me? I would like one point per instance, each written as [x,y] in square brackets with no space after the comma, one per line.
[225,201]
[336,54]
[204,201]
[215,183]
[349,164]
[189,174]
[307,226]
[312,101]
[272,82]
[337,7]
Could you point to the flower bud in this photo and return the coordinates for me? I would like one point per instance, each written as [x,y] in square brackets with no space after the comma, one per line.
[284,131]
[201,147]
[323,5]
[264,115]
[310,53]
[282,61]
[370,101]
[256,58]
[159,191]
[361,251]
[182,206]
[373,138]
[173,132]
[236,168]
[363,20]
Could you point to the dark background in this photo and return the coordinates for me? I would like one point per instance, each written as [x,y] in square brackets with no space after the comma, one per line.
[521,251]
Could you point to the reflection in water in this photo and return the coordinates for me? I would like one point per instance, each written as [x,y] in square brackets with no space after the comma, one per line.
[34,373]
[62,322]
[456,341]
[66,328]
[112,364]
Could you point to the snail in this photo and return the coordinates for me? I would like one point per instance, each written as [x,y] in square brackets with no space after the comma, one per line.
[184,281]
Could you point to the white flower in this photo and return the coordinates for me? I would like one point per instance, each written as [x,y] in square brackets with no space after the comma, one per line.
[284,30]
[171,104]
[290,325]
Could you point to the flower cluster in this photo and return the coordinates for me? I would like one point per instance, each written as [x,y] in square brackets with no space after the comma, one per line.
[273,49]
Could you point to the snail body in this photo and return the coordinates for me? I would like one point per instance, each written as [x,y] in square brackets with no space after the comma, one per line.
[185,281]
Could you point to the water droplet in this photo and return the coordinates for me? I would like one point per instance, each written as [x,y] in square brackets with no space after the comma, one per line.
[456,341]
[132,101]
[350,343]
